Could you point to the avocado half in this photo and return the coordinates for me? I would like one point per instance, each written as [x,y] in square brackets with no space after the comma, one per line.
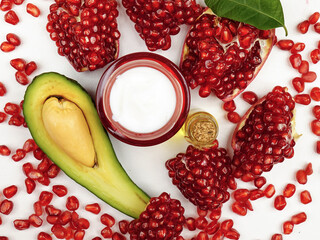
[103,175]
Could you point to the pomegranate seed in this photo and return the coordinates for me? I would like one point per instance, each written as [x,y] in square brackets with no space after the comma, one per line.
[317,27]
[315,94]
[280,202]
[58,231]
[305,197]
[315,55]
[34,174]
[232,184]
[314,18]
[6,207]
[295,60]
[250,97]
[44,180]
[35,220]
[215,214]
[79,235]
[5,5]
[315,127]
[191,224]
[7,47]
[70,232]
[18,2]
[239,209]
[3,117]
[20,224]
[301,176]
[18,63]
[287,227]
[303,99]
[30,185]
[304,67]
[44,236]
[21,78]
[45,198]
[202,213]
[107,220]
[299,218]
[118,236]
[12,108]
[297,47]
[318,147]
[13,39]
[219,235]
[33,10]
[233,117]
[72,203]
[65,217]
[201,223]
[309,77]
[4,150]
[52,211]
[16,120]
[202,236]
[269,191]
[53,171]
[59,190]
[303,26]
[276,236]
[259,182]
[226,225]
[19,155]
[53,219]
[309,169]
[3,89]
[30,68]
[83,223]
[256,194]
[37,208]
[285,44]
[232,234]
[289,190]
[123,226]
[106,232]
[38,154]
[241,195]
[4,238]
[11,17]
[229,106]
[10,191]
[29,145]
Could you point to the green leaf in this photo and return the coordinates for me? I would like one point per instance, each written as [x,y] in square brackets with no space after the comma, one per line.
[263,14]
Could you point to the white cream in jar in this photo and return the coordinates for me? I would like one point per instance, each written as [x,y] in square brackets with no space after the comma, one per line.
[142,99]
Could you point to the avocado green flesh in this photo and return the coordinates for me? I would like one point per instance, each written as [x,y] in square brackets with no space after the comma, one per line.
[106,179]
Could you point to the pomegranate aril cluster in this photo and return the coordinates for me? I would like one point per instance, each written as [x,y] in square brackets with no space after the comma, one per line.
[156,21]
[202,175]
[266,138]
[85,32]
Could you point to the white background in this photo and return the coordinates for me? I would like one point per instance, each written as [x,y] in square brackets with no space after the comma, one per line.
[146,165]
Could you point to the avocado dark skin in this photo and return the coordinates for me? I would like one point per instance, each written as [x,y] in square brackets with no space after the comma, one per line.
[102,174]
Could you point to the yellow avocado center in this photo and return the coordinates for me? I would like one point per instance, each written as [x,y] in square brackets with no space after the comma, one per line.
[67,126]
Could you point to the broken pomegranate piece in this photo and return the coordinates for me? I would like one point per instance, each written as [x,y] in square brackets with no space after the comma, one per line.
[223,56]
[86,32]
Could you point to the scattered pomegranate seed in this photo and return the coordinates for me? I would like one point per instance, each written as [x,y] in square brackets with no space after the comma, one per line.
[44,236]
[289,190]
[37,207]
[314,18]
[45,198]
[93,208]
[304,67]
[21,78]
[317,27]
[7,47]
[52,211]
[256,194]
[59,190]
[305,197]
[202,213]
[287,227]
[38,153]
[226,225]
[239,209]
[4,150]
[318,147]
[315,127]
[72,203]
[53,171]
[20,224]
[241,195]
[3,89]
[297,47]
[106,232]
[16,120]
[315,55]
[280,202]
[269,191]
[10,191]
[33,10]
[201,223]
[276,236]
[53,219]
[30,185]
[259,182]
[285,44]
[295,60]
[315,94]
[298,84]
[12,108]
[13,39]
[232,234]
[6,207]
[303,99]
[5,5]
[35,220]
[18,63]
[309,169]
[303,26]
[59,231]
[233,117]
[309,77]
[19,155]
[123,226]
[11,17]
[301,176]
[299,218]
[215,214]
[250,97]
[229,106]
[18,2]
[3,117]
[30,68]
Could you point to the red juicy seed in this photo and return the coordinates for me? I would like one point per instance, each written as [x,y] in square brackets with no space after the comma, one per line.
[59,190]
[259,182]
[295,60]
[250,97]
[3,117]
[35,220]
[309,77]
[11,17]
[69,233]
[269,191]
[289,190]
[106,232]
[212,227]
[35,174]
[3,89]
[6,207]
[315,55]
[239,209]
[256,194]
[37,208]
[53,219]
[297,47]
[280,202]
[276,236]
[30,68]
[226,225]
[318,147]
[309,169]
[202,213]
[52,211]
[219,235]
[202,236]
[5,5]
[232,184]
[72,203]
[19,155]
[33,10]
[314,18]
[301,176]
[18,2]
[83,223]
[38,154]
[287,227]
[13,39]
[233,117]
[79,235]
[44,180]
[93,208]
[29,145]
[53,171]
[7,47]
[16,120]
[229,106]
[65,217]
[12,108]
[107,220]
[118,236]
[21,78]
[45,198]
[18,63]
[201,223]
[241,195]
[303,99]
[315,127]
[10,191]
[215,214]
[299,218]
[232,234]
[317,27]
[4,150]
[305,197]
[303,27]
[58,231]
[4,238]
[30,185]
[285,44]
[20,224]
[315,94]
[44,236]
[304,67]
[123,226]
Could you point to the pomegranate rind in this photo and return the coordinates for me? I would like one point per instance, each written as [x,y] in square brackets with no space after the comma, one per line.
[266,47]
